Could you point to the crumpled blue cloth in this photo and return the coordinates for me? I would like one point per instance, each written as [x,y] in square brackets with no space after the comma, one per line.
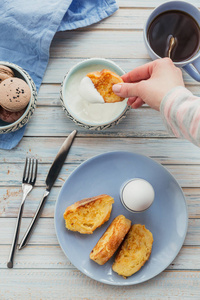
[28,27]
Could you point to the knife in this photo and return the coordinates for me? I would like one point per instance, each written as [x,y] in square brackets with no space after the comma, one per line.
[50,179]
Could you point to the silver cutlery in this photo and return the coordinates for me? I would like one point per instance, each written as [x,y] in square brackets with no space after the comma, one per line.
[50,179]
[28,181]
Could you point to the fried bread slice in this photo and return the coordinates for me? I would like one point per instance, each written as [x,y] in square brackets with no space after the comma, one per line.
[103,82]
[86,215]
[134,252]
[110,240]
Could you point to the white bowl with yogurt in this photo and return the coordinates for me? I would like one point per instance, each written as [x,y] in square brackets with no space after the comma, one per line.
[95,116]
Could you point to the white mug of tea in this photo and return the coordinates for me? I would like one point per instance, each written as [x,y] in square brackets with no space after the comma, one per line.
[173,30]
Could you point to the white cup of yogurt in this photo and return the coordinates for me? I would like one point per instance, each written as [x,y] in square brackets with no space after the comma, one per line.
[96,116]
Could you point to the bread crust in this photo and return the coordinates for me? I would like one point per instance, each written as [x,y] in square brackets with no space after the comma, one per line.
[103,82]
[88,214]
[134,251]
[110,240]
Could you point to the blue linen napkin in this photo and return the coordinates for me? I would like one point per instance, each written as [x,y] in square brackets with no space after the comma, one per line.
[27,29]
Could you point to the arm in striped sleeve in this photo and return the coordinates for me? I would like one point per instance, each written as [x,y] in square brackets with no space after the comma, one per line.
[180,110]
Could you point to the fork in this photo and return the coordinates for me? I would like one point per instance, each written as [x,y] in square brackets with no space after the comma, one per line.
[28,181]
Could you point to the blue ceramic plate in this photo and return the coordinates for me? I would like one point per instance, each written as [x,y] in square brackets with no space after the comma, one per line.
[106,174]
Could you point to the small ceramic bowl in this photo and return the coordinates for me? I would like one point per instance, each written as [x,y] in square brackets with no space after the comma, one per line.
[70,97]
[23,120]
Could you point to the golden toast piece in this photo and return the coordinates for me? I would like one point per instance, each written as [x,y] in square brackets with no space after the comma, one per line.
[86,215]
[103,82]
[135,251]
[110,240]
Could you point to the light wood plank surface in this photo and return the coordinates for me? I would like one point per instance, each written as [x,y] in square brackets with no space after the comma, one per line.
[52,257]
[58,67]
[163,150]
[41,269]
[44,232]
[10,201]
[11,173]
[62,284]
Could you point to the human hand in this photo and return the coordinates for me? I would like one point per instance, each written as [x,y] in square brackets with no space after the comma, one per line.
[149,83]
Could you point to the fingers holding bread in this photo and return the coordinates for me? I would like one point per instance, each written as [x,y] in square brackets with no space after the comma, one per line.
[103,82]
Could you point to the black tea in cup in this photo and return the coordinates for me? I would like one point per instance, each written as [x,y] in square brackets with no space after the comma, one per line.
[181,26]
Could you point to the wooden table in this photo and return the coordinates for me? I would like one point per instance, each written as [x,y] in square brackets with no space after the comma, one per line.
[41,270]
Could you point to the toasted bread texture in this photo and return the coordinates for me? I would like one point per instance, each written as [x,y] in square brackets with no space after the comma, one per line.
[103,82]
[86,215]
[110,240]
[135,251]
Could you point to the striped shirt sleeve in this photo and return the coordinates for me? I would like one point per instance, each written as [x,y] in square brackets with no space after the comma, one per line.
[180,110]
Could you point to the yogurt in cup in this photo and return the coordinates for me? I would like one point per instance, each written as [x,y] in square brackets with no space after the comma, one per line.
[96,116]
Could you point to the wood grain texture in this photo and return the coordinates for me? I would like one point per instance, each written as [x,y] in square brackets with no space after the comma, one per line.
[52,257]
[58,68]
[44,233]
[10,199]
[125,19]
[71,284]
[42,271]
[12,174]
[165,151]
[90,43]
[52,121]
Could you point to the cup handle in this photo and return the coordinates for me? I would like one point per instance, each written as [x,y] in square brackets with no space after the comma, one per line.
[193,69]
